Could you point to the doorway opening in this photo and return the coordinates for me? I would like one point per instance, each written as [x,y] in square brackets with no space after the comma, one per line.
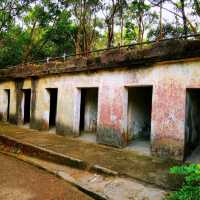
[27,105]
[139,118]
[7,91]
[53,93]
[88,113]
[192,126]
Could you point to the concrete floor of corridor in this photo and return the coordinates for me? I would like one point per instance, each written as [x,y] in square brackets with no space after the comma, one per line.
[126,162]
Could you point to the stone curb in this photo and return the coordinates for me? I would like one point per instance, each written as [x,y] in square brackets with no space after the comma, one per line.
[17,147]
[102,170]
[41,153]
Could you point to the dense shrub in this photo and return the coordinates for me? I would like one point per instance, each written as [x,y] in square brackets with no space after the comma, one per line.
[190,189]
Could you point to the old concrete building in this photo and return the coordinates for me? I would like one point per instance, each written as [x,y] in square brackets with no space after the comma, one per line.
[123,96]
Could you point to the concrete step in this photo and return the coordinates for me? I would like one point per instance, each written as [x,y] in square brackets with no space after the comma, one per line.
[13,145]
[16,146]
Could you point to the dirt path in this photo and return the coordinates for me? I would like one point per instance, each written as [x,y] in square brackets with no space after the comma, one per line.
[100,186]
[21,181]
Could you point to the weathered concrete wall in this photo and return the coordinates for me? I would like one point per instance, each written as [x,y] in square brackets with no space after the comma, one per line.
[4,101]
[169,82]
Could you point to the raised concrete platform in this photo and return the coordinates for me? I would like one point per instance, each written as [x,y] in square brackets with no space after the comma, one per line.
[66,150]
[142,147]
[88,137]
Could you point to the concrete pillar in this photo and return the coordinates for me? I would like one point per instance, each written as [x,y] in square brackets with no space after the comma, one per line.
[112,121]
[19,96]
[168,120]
[34,82]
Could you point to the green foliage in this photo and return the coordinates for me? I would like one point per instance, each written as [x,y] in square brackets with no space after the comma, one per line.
[12,47]
[35,29]
[139,18]
[191,187]
[169,30]
[32,32]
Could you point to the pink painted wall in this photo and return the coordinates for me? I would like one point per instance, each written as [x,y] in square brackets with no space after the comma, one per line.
[169,82]
[168,119]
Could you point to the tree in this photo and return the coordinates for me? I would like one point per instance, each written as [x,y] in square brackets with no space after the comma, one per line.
[45,29]
[197,7]
[86,22]
[139,19]
[179,14]
[123,5]
[110,11]
[36,29]
[184,17]
[11,50]
[10,10]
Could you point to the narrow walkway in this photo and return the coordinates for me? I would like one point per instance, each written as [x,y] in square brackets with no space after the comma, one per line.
[127,163]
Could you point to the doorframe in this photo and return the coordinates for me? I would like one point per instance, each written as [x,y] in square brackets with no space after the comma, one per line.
[77,109]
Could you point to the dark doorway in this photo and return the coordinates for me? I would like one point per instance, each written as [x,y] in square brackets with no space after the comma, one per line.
[27,105]
[53,93]
[192,126]
[139,119]
[139,113]
[88,109]
[82,112]
[7,91]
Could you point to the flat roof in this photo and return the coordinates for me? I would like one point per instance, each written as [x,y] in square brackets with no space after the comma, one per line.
[134,57]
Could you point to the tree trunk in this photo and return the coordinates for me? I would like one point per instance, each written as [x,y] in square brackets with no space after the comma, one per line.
[29,48]
[121,25]
[110,26]
[161,24]
[184,18]
[197,7]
